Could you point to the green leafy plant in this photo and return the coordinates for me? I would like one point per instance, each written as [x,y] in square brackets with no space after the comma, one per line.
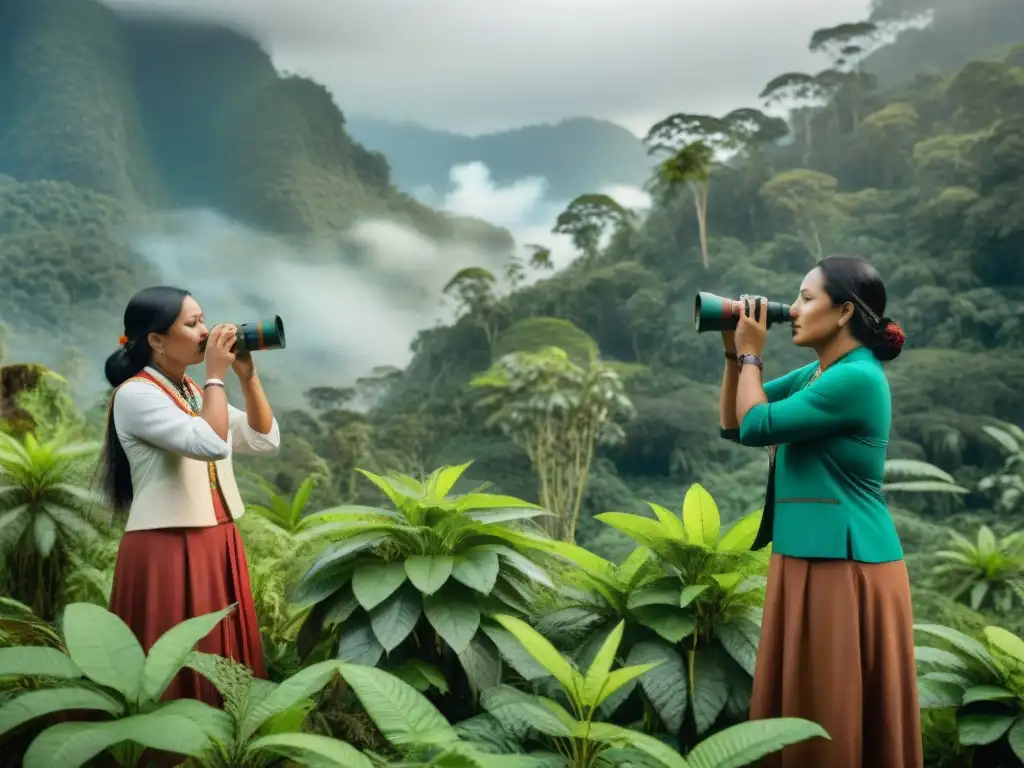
[703,609]
[419,581]
[990,571]
[1006,486]
[262,721]
[106,672]
[582,741]
[983,683]
[43,509]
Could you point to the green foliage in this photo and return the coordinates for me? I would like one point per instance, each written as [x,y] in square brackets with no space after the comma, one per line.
[982,681]
[44,510]
[420,580]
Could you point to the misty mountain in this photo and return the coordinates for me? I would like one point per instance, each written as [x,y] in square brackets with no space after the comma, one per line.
[136,150]
[576,155]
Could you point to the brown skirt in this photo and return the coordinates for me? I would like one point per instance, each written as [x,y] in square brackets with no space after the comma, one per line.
[163,577]
[837,648]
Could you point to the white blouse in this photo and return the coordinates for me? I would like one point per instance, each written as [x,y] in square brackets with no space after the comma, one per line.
[150,426]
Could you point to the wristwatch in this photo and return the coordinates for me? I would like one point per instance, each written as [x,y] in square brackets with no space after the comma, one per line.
[751,359]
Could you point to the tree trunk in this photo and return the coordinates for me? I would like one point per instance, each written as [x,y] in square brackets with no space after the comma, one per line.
[700,201]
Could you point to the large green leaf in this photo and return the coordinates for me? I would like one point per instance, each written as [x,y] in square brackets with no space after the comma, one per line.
[429,573]
[104,648]
[357,644]
[740,638]
[665,686]
[597,674]
[513,652]
[746,743]
[44,529]
[740,537]
[28,706]
[541,649]
[619,736]
[481,662]
[217,724]
[317,750]
[171,650]
[396,617]
[375,582]
[1015,738]
[403,716]
[700,516]
[709,687]
[72,745]
[474,501]
[648,532]
[37,661]
[978,730]
[477,569]
[518,711]
[521,563]
[670,622]
[335,554]
[299,686]
[938,694]
[967,646]
[342,605]
[455,620]
[1006,642]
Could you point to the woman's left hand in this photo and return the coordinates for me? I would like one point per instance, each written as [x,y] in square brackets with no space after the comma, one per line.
[243,366]
[752,331]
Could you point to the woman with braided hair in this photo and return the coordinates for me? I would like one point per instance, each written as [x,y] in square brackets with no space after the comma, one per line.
[167,462]
[837,640]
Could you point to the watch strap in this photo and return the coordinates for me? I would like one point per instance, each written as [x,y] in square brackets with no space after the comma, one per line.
[751,360]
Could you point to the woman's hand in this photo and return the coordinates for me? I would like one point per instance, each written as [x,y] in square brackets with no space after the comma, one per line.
[752,331]
[243,366]
[219,356]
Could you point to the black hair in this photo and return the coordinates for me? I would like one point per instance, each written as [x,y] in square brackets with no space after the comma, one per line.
[852,279]
[152,310]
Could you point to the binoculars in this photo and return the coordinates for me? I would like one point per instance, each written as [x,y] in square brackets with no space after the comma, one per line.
[716,313]
[258,336]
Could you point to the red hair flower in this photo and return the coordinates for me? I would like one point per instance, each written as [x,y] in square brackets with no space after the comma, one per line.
[123,340]
[894,336]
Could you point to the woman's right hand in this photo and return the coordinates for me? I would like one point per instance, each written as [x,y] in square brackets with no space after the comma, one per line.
[219,356]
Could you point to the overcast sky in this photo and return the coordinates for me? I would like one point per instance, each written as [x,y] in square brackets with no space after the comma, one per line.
[483,65]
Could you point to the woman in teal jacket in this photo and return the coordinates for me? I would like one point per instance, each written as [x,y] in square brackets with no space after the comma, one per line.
[837,642]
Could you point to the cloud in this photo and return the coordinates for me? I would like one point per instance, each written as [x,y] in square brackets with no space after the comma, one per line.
[521,206]
[475,66]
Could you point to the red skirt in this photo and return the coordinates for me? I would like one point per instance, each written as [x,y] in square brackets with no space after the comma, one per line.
[164,576]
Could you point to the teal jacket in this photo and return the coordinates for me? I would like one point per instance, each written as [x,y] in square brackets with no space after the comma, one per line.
[825,491]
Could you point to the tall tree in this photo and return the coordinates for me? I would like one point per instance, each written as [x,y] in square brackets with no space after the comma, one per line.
[808,199]
[688,144]
[586,219]
[558,412]
[477,298]
[848,44]
[802,93]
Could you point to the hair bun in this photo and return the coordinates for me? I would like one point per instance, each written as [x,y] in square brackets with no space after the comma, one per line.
[890,340]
